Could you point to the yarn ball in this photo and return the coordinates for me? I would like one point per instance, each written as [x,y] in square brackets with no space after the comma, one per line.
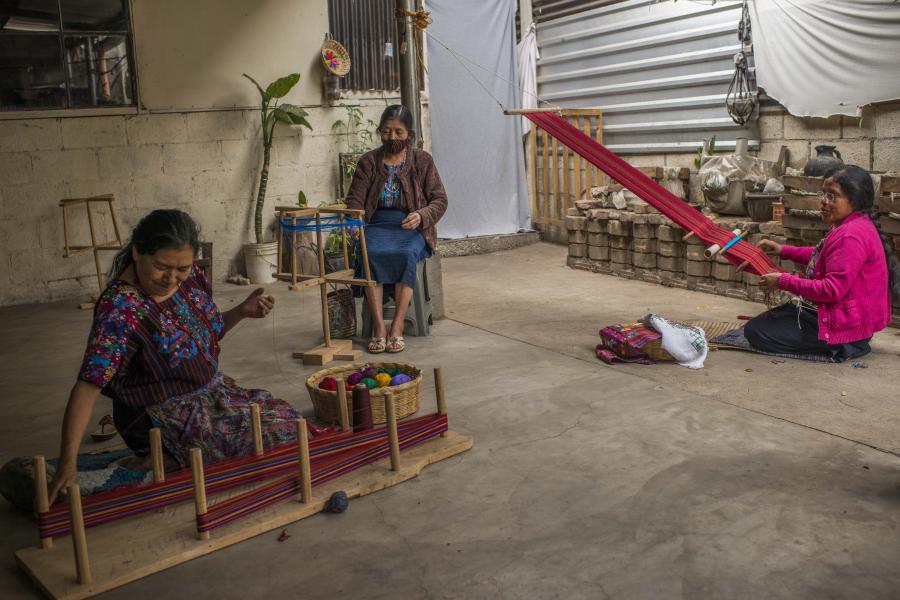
[354,378]
[369,373]
[338,502]
[400,378]
[383,379]
[329,384]
[369,383]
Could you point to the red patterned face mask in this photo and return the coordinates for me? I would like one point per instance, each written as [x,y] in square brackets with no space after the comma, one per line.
[394,146]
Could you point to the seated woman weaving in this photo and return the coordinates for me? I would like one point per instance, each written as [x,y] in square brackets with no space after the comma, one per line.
[401,192]
[154,350]
[843,297]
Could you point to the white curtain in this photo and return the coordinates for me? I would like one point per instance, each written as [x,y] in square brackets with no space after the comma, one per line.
[477,149]
[827,57]
[527,56]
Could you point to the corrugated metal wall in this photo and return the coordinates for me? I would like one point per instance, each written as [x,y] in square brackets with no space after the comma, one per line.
[658,70]
[364,27]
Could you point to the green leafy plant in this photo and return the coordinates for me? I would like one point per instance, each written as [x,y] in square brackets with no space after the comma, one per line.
[698,160]
[358,135]
[272,113]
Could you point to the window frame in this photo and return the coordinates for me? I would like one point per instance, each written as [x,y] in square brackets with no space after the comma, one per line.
[9,113]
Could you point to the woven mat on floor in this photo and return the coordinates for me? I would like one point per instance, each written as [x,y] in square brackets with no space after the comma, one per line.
[714,329]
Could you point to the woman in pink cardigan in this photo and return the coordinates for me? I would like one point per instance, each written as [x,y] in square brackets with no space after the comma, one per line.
[844,294]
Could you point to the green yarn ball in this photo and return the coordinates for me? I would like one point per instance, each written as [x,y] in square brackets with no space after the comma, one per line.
[369,383]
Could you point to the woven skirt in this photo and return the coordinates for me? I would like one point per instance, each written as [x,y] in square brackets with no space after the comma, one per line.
[393,251]
[216,419]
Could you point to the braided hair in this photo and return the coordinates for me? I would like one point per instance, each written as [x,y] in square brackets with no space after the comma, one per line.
[161,229]
[856,183]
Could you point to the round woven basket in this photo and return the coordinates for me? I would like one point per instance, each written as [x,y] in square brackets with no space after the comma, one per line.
[335,58]
[406,395]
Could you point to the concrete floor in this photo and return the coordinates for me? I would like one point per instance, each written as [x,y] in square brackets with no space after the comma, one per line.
[747,479]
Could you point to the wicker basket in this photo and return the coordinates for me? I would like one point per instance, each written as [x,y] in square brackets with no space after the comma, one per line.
[406,395]
[335,58]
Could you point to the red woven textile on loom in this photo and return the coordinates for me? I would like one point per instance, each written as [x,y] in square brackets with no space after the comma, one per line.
[653,194]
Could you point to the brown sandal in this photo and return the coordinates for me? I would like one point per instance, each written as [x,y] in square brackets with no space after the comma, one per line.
[102,434]
[376,345]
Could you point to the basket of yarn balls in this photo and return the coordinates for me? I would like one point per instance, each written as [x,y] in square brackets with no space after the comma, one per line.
[402,380]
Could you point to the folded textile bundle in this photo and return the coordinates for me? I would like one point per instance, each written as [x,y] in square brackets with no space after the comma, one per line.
[653,339]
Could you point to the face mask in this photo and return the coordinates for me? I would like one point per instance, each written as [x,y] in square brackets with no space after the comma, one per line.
[394,146]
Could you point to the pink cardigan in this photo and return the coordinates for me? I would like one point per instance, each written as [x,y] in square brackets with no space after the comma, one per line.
[850,282]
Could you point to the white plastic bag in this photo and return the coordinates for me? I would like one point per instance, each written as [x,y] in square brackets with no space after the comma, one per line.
[686,344]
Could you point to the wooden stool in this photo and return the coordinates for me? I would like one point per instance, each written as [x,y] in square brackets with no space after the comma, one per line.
[94,247]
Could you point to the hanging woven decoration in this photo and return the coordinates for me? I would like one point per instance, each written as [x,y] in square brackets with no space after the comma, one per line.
[741,99]
[335,57]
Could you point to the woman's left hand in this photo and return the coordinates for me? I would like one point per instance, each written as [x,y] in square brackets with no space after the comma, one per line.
[412,221]
[257,305]
[769,281]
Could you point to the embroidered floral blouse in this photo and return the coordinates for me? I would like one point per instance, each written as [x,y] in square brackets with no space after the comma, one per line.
[390,195]
[141,352]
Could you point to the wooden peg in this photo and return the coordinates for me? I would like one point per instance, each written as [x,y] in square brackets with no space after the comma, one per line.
[41,495]
[305,471]
[342,404]
[199,487]
[439,393]
[689,235]
[257,429]
[79,540]
[156,455]
[742,266]
[393,439]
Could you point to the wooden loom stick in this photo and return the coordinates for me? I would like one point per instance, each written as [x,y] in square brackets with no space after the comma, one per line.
[305,470]
[79,540]
[156,456]
[342,404]
[439,393]
[742,266]
[41,496]
[323,287]
[199,487]
[391,415]
[689,235]
[257,429]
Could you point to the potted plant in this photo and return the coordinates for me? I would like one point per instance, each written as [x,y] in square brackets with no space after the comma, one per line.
[358,136]
[259,257]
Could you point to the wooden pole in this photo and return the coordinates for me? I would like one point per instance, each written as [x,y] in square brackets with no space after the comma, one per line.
[66,228]
[689,235]
[525,111]
[439,393]
[256,422]
[588,167]
[365,253]
[199,487]
[554,169]
[545,175]
[115,221]
[576,192]
[392,430]
[87,207]
[344,242]
[156,455]
[305,470]
[342,405]
[41,496]
[79,540]
[532,171]
[323,287]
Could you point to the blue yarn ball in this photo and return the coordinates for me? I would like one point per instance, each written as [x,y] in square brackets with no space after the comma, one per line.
[338,502]
[400,378]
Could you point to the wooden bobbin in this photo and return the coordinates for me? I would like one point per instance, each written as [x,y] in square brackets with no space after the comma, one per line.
[394,440]
[156,455]
[79,540]
[257,429]
[199,487]
[439,393]
[742,266]
[305,471]
[342,405]
[41,496]
[689,235]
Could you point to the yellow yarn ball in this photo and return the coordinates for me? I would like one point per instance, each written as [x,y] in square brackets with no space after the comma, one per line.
[383,380]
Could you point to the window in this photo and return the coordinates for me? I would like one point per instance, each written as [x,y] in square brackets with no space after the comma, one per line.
[64,54]
[368,30]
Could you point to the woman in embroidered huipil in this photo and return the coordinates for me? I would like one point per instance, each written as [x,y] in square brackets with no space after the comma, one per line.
[401,192]
[844,293]
[154,350]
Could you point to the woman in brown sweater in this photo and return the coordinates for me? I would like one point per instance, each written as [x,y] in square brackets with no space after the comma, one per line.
[401,192]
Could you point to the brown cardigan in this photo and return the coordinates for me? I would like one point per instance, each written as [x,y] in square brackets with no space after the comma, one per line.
[420,184]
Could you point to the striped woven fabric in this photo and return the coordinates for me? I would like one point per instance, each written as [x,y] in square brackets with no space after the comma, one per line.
[654,194]
[333,454]
[323,469]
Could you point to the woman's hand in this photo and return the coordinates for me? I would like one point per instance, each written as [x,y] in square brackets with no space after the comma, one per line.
[412,221]
[769,281]
[770,247]
[64,476]
[257,305]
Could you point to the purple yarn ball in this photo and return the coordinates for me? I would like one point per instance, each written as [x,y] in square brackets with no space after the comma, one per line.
[354,378]
[400,378]
[369,373]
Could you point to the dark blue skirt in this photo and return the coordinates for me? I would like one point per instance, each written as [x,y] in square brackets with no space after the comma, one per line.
[393,251]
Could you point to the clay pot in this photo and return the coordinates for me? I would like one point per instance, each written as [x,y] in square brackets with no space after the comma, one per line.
[824,160]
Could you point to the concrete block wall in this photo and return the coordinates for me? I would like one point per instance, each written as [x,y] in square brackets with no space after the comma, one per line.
[205,163]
